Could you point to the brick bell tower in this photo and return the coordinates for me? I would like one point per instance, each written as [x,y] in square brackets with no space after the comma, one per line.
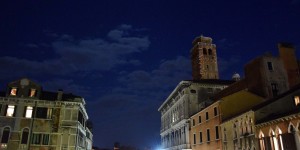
[204,59]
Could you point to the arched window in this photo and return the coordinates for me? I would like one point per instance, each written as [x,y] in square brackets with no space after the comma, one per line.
[261,140]
[251,125]
[279,137]
[204,51]
[5,135]
[25,134]
[235,130]
[274,140]
[209,52]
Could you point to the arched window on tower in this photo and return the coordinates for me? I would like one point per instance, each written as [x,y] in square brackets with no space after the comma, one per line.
[204,51]
[209,52]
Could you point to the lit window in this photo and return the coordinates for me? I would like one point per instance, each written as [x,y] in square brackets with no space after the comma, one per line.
[13,91]
[10,110]
[297,100]
[32,93]
[29,111]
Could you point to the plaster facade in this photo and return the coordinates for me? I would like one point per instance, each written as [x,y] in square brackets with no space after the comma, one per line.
[39,120]
[185,100]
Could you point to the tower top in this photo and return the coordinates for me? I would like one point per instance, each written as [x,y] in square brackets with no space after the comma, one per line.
[204,59]
[202,39]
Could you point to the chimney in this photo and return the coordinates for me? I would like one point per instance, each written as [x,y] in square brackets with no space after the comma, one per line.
[59,94]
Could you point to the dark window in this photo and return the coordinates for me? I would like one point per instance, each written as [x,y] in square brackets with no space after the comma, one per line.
[217,132]
[25,134]
[270,66]
[45,139]
[199,119]
[215,111]
[193,122]
[5,135]
[194,138]
[193,91]
[36,138]
[274,89]
[80,118]
[41,112]
[208,135]
[204,51]
[200,137]
[209,52]
[206,115]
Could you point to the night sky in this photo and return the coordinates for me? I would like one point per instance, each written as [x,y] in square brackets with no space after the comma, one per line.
[125,57]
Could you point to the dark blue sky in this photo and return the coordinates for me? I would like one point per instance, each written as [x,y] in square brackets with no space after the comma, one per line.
[125,57]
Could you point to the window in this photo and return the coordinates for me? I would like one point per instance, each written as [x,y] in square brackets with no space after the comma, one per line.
[28,113]
[207,135]
[5,135]
[215,111]
[261,140]
[25,134]
[193,122]
[225,135]
[194,138]
[193,91]
[36,138]
[200,137]
[209,52]
[206,116]
[40,139]
[81,118]
[217,133]
[204,51]
[45,139]
[297,100]
[43,112]
[270,66]
[13,91]
[10,110]
[32,93]
[199,119]
[274,87]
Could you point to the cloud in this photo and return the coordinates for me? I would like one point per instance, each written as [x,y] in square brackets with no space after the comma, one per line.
[73,55]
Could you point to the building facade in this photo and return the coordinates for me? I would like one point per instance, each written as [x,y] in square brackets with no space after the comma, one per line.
[277,121]
[35,119]
[290,62]
[185,100]
[205,129]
